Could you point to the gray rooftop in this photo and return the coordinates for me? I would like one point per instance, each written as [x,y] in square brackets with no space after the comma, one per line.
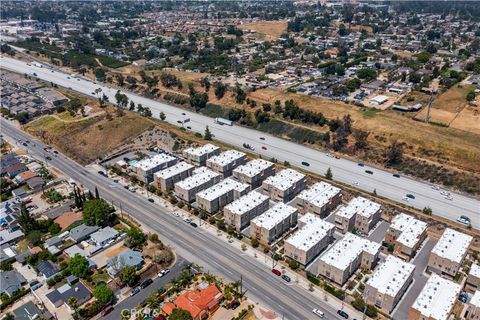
[82,231]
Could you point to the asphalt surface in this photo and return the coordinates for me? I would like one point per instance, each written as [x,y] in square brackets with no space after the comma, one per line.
[131,302]
[195,245]
[343,170]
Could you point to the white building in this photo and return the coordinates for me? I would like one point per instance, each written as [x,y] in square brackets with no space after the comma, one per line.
[310,240]
[346,255]
[166,179]
[361,213]
[388,283]
[321,199]
[200,155]
[240,212]
[285,185]
[219,195]
[273,223]
[226,161]
[448,254]
[145,168]
[201,179]
[407,234]
[436,300]
[379,100]
[473,278]
[254,172]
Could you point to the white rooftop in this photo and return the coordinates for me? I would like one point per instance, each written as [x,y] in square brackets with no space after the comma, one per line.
[226,157]
[199,177]
[246,203]
[319,194]
[311,233]
[475,270]
[274,215]
[222,188]
[152,162]
[475,300]
[200,151]
[453,245]
[359,205]
[347,249]
[437,298]
[410,229]
[285,179]
[391,275]
[254,167]
[173,170]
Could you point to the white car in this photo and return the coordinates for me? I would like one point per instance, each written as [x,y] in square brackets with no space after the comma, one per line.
[464,220]
[434,187]
[163,272]
[318,313]
[445,193]
[449,197]
[176,214]
[187,220]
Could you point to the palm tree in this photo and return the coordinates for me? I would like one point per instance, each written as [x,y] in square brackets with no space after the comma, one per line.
[73,303]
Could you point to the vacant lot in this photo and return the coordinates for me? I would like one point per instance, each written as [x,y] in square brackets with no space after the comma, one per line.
[271,29]
[468,119]
[87,140]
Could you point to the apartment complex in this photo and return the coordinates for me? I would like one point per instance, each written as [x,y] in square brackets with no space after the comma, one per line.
[285,185]
[388,283]
[473,307]
[145,168]
[406,234]
[226,161]
[166,179]
[240,212]
[359,213]
[321,199]
[448,254]
[200,155]
[310,240]
[273,223]
[436,300]
[254,172]
[201,179]
[346,255]
[473,278]
[219,195]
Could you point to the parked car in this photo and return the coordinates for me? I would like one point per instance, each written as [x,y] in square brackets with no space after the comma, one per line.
[146,283]
[342,314]
[305,163]
[134,291]
[163,272]
[107,310]
[286,278]
[276,272]
[369,171]
[463,297]
[318,313]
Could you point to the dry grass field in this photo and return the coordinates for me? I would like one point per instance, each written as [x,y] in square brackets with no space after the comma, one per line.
[468,120]
[272,30]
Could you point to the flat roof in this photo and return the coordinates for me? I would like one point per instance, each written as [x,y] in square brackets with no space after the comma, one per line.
[226,157]
[319,194]
[221,188]
[453,245]
[347,249]
[310,234]
[200,151]
[285,179]
[475,300]
[475,270]
[254,167]
[359,205]
[274,215]
[410,229]
[199,177]
[246,203]
[437,297]
[391,275]
[173,170]
[152,162]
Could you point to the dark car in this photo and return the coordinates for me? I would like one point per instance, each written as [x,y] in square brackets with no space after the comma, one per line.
[146,283]
[151,200]
[360,164]
[286,278]
[101,173]
[305,163]
[134,291]
[262,138]
[189,128]
[396,175]
[55,151]
[48,158]
[369,171]
[183,113]
[409,195]
[107,310]
[179,121]
[234,304]
[193,224]
[342,314]
[276,272]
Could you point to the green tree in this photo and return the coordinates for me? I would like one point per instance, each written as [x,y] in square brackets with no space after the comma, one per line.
[208,134]
[26,220]
[329,174]
[128,275]
[103,294]
[162,116]
[78,266]
[135,238]
[427,210]
[96,212]
[180,314]
[220,90]
[471,96]
[72,302]
[394,153]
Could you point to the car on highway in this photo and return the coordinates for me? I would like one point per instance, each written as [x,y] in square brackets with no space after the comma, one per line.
[449,197]
[134,291]
[100,172]
[264,148]
[146,283]
[343,314]
[410,196]
[464,220]
[434,187]
[396,175]
[286,278]
[318,313]
[48,158]
[360,164]
[305,163]
[444,193]
[187,220]
[369,171]
[189,128]
[151,200]
[184,114]
[193,224]
[276,272]
[262,138]
[179,121]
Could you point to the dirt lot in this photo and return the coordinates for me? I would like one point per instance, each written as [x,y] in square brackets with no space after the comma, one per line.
[270,29]
[468,119]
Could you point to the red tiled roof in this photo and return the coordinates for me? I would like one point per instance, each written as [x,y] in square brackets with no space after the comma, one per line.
[168,308]
[196,301]
[67,218]
[27,175]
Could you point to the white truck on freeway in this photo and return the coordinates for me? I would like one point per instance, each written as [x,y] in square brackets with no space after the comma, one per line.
[223,121]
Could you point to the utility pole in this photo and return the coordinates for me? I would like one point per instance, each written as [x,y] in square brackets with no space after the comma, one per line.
[427,117]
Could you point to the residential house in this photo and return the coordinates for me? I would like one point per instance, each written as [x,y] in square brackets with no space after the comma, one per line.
[48,269]
[10,282]
[128,257]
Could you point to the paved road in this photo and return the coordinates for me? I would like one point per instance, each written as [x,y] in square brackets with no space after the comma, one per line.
[343,170]
[195,245]
[130,302]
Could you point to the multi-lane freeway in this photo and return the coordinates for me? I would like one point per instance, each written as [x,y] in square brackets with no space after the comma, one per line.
[345,171]
[195,245]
